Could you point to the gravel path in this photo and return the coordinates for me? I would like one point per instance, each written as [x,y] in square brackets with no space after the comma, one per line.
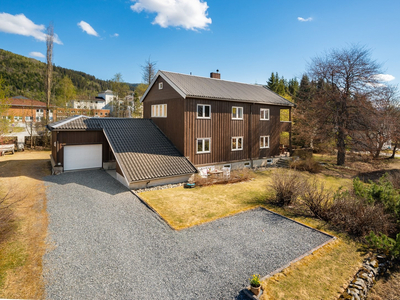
[108,245]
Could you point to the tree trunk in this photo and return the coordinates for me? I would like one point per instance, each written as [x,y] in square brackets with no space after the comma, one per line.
[341,147]
[394,150]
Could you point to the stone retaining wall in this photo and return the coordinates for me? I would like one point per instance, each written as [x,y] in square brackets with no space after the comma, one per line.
[366,278]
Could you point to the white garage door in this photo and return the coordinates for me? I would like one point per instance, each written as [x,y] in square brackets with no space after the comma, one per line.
[82,157]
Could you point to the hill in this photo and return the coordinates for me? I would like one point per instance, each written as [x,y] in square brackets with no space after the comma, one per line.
[25,76]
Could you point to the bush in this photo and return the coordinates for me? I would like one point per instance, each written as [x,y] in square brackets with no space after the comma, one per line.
[288,186]
[355,216]
[6,219]
[235,176]
[381,192]
[394,178]
[308,164]
[384,244]
[316,199]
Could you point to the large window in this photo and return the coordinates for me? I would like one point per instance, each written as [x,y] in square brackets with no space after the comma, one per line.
[237,143]
[264,141]
[264,114]
[159,111]
[203,145]
[203,111]
[237,113]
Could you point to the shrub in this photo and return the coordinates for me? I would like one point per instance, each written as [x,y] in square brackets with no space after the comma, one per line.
[355,216]
[384,244]
[394,178]
[381,192]
[235,176]
[308,164]
[316,199]
[6,219]
[288,186]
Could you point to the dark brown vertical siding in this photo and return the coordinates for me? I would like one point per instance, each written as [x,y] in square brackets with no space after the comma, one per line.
[220,128]
[54,149]
[173,125]
[223,128]
[66,138]
[271,127]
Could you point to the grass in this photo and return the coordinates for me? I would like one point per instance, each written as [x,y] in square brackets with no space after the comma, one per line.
[183,208]
[387,288]
[323,275]
[21,255]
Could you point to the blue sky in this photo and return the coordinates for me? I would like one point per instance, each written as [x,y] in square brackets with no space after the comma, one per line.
[245,40]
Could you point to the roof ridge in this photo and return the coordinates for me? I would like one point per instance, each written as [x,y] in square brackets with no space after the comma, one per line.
[70,120]
[252,84]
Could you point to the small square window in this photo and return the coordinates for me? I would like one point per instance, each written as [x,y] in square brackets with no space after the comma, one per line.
[203,111]
[159,111]
[264,114]
[237,143]
[203,145]
[160,85]
[237,113]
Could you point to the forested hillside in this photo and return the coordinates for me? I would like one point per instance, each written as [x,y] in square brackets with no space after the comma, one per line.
[25,76]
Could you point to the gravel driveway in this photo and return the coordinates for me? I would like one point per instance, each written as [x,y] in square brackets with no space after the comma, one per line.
[108,245]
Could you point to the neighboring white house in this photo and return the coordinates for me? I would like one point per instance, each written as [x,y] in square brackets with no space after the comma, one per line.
[107,95]
[97,103]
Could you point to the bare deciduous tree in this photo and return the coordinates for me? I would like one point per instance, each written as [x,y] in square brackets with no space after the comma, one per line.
[344,77]
[377,123]
[49,67]
[148,71]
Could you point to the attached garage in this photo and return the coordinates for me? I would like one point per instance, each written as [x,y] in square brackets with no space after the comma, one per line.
[138,151]
[83,157]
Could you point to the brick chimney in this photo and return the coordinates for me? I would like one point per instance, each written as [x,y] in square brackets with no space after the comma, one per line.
[215,75]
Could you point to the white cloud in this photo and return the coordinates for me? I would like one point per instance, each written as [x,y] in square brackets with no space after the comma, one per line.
[115,35]
[383,77]
[87,28]
[19,24]
[189,14]
[37,54]
[304,20]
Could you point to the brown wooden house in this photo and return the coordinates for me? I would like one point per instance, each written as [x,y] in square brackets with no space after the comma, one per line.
[214,122]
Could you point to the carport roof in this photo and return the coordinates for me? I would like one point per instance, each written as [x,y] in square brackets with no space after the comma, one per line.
[142,151]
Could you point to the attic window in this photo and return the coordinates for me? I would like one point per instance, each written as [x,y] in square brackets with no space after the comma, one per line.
[160,85]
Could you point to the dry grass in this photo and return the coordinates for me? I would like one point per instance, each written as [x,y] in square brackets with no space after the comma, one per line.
[21,256]
[387,288]
[183,208]
[323,275]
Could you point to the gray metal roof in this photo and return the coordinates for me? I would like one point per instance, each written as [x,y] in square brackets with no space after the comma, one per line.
[142,151]
[189,86]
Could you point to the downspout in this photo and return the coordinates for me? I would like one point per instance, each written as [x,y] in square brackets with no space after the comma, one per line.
[250,135]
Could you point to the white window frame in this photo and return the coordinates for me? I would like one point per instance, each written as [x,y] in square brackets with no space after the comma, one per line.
[236,116]
[197,111]
[237,143]
[28,119]
[159,111]
[265,110]
[264,141]
[203,145]
[160,85]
